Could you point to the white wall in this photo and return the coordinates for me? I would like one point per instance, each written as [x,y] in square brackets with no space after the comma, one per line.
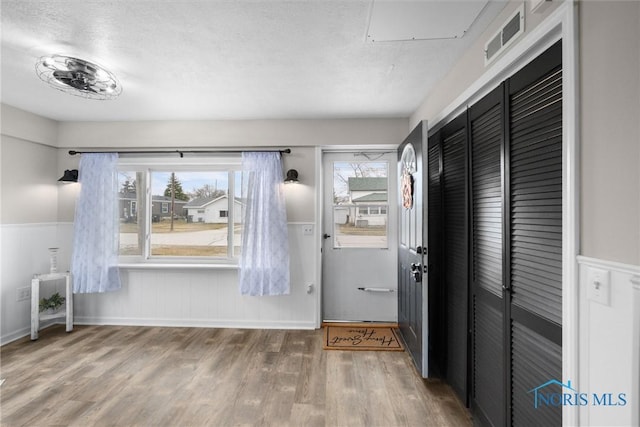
[28,215]
[610,92]
[168,297]
[27,126]
[29,182]
[610,206]
[232,133]
[470,67]
[207,298]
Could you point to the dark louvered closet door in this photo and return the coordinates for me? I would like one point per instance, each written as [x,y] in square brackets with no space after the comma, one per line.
[500,206]
[535,185]
[487,129]
[437,322]
[454,149]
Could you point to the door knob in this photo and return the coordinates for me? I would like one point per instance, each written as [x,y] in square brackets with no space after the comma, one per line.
[326,236]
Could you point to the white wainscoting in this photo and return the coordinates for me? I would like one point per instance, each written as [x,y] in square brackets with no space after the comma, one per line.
[207,297]
[24,253]
[163,297]
[609,343]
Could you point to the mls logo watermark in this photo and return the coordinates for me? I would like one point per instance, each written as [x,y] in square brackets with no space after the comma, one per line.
[546,395]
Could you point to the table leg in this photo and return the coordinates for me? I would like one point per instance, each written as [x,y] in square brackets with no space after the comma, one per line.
[69,304]
[35,308]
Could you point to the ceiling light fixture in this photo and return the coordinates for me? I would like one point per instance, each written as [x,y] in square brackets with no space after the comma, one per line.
[78,77]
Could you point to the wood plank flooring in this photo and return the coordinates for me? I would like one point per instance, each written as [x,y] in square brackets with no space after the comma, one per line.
[150,376]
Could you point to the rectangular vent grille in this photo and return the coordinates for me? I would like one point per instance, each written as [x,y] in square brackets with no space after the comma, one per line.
[509,32]
[493,47]
[511,29]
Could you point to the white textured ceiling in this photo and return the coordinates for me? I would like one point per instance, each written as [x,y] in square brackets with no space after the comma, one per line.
[205,60]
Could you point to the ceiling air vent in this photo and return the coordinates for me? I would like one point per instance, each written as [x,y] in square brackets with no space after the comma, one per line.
[508,33]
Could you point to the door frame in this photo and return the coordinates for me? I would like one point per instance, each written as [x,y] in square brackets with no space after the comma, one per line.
[561,24]
[425,367]
[319,208]
[380,254]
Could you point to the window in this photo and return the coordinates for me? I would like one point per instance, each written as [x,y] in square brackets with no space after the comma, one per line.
[183,210]
[360,204]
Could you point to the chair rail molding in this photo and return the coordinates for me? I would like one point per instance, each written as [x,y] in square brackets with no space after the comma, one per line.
[609,336]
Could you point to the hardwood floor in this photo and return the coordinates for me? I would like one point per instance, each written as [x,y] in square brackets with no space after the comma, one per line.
[126,376]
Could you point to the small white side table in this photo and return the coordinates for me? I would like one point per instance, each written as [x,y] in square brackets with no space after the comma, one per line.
[36,317]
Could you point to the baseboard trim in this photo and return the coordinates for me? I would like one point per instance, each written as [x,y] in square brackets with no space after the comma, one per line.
[14,336]
[360,324]
[25,332]
[185,323]
[170,323]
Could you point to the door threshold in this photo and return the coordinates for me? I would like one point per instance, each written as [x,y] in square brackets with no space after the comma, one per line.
[359,324]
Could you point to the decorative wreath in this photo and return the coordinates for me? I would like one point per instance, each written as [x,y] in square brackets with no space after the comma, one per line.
[407,190]
[408,165]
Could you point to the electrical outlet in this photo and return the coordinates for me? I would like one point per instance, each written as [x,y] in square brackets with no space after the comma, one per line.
[24,294]
[307,230]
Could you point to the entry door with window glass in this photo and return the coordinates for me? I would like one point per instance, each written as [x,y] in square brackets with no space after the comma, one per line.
[359,252]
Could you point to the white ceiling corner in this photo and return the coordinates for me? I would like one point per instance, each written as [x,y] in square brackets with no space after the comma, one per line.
[422,20]
[223,59]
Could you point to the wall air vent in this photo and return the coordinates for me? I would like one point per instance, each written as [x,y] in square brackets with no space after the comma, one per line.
[506,35]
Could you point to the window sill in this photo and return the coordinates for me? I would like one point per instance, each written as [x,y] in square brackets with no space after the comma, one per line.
[173,266]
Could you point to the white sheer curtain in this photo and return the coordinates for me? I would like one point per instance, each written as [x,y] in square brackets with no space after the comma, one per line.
[94,263]
[264,261]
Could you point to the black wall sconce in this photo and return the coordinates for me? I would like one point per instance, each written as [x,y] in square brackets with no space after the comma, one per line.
[292,176]
[70,175]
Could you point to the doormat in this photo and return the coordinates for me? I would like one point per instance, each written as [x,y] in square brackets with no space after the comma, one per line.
[349,337]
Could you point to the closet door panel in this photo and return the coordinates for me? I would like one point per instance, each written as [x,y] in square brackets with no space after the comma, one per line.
[454,184]
[535,227]
[437,313]
[486,137]
[487,210]
[501,187]
[488,360]
[536,190]
[534,357]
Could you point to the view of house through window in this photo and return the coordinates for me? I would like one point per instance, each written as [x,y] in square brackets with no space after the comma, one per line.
[360,204]
[131,225]
[188,214]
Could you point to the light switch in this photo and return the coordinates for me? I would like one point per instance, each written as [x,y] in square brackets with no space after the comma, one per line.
[307,230]
[599,285]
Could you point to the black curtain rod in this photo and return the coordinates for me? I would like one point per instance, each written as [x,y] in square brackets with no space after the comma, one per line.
[180,152]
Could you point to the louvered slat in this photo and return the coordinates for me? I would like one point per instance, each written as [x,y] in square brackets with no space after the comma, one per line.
[536,190]
[488,372]
[455,249]
[437,322]
[486,137]
[535,360]
[487,231]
